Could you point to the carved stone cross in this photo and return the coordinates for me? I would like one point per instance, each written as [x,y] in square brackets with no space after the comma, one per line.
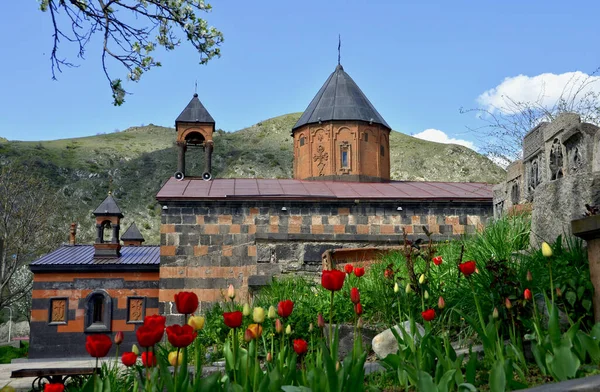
[321,157]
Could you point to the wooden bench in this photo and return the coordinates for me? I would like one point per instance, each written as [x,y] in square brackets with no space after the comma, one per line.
[51,375]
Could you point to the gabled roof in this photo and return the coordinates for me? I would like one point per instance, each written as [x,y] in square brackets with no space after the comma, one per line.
[132,234]
[108,207]
[69,257]
[340,98]
[288,189]
[195,112]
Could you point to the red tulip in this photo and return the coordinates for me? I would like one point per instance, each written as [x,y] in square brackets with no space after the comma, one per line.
[186,302]
[152,331]
[181,336]
[333,280]
[300,346]
[348,268]
[359,271]
[358,309]
[148,359]
[54,387]
[155,319]
[129,359]
[467,268]
[98,345]
[119,338]
[428,315]
[233,319]
[527,295]
[320,321]
[285,308]
[437,260]
[388,273]
[354,295]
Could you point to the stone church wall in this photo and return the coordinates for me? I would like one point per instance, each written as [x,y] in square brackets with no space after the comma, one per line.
[558,175]
[205,246]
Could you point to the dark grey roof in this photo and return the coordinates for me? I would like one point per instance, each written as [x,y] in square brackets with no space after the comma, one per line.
[132,234]
[108,207]
[84,255]
[195,112]
[340,98]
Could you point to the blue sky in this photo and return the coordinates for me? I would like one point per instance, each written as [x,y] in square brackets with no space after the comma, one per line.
[418,62]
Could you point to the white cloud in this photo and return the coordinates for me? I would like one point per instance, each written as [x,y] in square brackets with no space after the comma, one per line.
[435,135]
[545,89]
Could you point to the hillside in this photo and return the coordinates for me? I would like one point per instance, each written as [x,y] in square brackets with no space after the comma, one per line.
[135,163]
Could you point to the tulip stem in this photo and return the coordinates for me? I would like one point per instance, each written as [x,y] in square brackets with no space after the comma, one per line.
[234,350]
[256,364]
[331,319]
[175,368]
[477,305]
[551,282]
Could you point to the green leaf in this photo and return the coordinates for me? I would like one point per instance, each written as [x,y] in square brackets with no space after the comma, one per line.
[571,297]
[580,291]
[564,363]
[471,369]
[587,304]
[445,383]
[425,383]
[497,377]
[290,388]
[466,387]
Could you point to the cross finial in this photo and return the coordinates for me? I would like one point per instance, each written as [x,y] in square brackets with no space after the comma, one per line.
[196,87]
[339,48]
[110,180]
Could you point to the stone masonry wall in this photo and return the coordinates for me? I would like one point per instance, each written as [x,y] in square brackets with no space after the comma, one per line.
[207,245]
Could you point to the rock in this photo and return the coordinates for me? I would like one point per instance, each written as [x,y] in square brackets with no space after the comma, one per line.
[385,343]
[346,338]
[563,320]
[17,330]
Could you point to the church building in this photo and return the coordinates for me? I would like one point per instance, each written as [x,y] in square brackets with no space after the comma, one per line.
[215,232]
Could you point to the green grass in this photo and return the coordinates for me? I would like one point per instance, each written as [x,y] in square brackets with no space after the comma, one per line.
[8,353]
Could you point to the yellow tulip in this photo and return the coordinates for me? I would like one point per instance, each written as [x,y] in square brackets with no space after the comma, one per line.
[272,312]
[246,310]
[196,322]
[258,315]
[174,357]
[546,250]
[288,330]
[426,294]
[231,292]
[495,313]
[408,289]
[396,287]
[422,279]
[135,350]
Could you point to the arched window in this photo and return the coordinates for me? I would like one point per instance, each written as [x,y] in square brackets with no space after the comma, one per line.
[98,312]
[302,141]
[382,151]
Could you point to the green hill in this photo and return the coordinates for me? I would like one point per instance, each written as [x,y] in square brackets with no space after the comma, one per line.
[135,163]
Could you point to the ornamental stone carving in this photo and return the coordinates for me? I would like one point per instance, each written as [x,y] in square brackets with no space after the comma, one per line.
[59,311]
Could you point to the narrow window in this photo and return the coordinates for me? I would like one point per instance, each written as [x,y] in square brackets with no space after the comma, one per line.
[344,158]
[382,150]
[98,315]
[98,309]
[301,141]
[366,137]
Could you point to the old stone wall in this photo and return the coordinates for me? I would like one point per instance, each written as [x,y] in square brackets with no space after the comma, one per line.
[207,245]
[558,175]
[60,302]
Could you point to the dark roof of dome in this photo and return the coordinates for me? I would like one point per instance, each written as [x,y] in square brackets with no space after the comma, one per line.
[132,234]
[108,207]
[195,112]
[340,98]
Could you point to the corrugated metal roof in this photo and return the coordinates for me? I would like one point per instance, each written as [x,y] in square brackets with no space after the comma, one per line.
[132,234]
[108,207]
[249,188]
[84,255]
[340,98]
[195,112]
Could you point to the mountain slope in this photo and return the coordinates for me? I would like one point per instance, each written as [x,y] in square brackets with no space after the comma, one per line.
[136,162]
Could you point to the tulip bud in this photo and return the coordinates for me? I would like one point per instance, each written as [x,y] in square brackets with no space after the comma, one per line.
[248,335]
[288,330]
[495,313]
[507,303]
[529,276]
[196,322]
[172,357]
[408,289]
[558,292]
[426,294]
[278,326]
[231,292]
[441,303]
[272,312]
[337,366]
[269,357]
[135,350]
[546,250]
[320,321]
[359,323]
[258,315]
[527,295]
[119,338]
[311,327]
[422,279]
[246,310]
[396,287]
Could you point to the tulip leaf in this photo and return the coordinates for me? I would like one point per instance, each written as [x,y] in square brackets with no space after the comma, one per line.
[497,377]
[425,382]
[466,387]
[564,363]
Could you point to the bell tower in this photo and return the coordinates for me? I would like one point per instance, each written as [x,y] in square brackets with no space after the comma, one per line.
[195,128]
[108,217]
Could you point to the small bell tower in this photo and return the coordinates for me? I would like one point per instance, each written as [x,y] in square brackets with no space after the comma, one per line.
[195,128]
[108,217]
